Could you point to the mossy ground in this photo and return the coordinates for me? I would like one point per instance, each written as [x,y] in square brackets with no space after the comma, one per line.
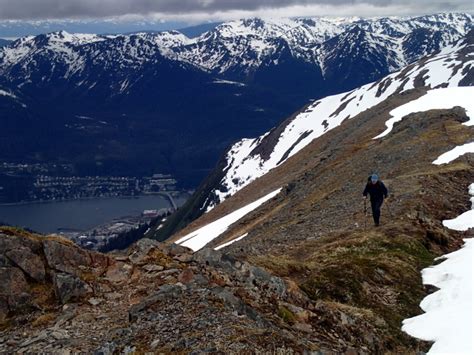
[372,275]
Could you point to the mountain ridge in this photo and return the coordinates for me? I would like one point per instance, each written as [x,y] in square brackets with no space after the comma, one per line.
[303,271]
[302,35]
[251,159]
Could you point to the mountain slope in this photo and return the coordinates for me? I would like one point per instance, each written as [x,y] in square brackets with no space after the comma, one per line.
[249,159]
[315,233]
[451,67]
[4,42]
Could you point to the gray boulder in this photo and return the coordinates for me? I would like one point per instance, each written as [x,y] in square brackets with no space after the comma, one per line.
[64,257]
[69,287]
[30,263]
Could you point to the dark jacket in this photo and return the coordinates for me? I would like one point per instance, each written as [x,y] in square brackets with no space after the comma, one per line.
[376,191]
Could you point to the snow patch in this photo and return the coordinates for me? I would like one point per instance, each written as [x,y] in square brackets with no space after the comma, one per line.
[199,238]
[454,153]
[448,313]
[464,221]
[231,242]
[228,82]
[434,99]
[7,93]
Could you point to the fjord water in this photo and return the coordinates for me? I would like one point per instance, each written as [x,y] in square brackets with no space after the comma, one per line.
[50,217]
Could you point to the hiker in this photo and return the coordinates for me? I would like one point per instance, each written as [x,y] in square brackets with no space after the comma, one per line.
[377,191]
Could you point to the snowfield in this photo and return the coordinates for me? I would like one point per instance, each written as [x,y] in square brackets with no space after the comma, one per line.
[455,153]
[436,99]
[199,238]
[448,320]
[464,221]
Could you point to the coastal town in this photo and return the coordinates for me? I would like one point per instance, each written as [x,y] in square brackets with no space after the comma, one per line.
[22,183]
[52,188]
[112,235]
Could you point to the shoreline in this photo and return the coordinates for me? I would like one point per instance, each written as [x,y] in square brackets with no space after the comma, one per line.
[97,211]
[163,194]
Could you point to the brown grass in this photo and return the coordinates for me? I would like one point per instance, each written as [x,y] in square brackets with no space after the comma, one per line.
[44,320]
[60,239]
[15,231]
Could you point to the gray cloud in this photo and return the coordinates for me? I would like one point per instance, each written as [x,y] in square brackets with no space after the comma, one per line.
[60,9]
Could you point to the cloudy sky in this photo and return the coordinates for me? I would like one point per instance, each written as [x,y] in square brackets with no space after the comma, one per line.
[211,10]
[126,15]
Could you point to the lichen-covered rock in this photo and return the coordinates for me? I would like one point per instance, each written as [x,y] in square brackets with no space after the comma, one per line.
[11,242]
[176,250]
[140,250]
[119,272]
[186,276]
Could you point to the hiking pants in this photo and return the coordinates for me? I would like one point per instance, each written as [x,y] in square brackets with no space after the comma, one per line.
[376,205]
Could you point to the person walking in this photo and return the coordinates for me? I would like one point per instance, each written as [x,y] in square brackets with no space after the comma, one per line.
[377,191]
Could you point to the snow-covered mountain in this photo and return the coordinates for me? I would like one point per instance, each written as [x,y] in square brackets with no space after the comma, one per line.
[189,99]
[239,48]
[249,44]
[249,159]
[76,58]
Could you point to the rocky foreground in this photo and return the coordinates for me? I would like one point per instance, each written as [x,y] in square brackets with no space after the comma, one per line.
[155,297]
[312,274]
[58,298]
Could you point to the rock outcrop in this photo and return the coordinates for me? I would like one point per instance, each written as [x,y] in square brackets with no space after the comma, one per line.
[153,297]
[40,272]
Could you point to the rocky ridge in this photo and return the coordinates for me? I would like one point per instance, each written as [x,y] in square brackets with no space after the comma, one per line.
[59,298]
[315,231]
